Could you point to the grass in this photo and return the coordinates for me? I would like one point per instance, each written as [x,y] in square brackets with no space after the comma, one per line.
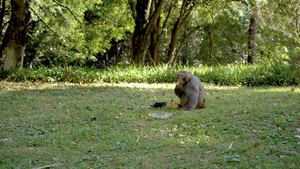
[234,74]
[108,125]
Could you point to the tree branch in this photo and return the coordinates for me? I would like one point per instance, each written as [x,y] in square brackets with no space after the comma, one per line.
[186,36]
[132,7]
[166,21]
[240,1]
[230,41]
[188,12]
[67,9]
[154,17]
[44,22]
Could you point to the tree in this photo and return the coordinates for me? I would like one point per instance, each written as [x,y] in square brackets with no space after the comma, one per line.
[252,31]
[282,17]
[186,8]
[13,44]
[158,32]
[69,31]
[144,23]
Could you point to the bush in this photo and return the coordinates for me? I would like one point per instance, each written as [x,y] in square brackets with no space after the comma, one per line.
[238,74]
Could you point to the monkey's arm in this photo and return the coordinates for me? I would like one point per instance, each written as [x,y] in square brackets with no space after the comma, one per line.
[178,91]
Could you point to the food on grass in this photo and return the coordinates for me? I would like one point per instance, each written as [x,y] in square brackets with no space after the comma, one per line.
[173,105]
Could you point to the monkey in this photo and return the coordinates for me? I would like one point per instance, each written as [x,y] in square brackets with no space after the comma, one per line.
[180,93]
[190,90]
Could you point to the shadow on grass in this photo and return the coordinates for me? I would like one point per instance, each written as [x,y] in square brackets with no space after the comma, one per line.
[108,125]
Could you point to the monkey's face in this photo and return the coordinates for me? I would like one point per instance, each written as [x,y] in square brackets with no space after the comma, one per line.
[180,78]
[183,77]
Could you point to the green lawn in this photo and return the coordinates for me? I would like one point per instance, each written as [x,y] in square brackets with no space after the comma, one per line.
[108,125]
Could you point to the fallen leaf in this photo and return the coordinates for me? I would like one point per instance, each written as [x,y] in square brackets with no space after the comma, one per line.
[197,142]
[230,146]
[55,159]
[297,136]
[182,142]
[95,133]
[256,145]
[171,135]
[180,135]
[281,156]
[293,89]
[6,139]
[120,114]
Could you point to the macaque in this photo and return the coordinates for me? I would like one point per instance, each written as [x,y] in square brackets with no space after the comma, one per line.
[190,90]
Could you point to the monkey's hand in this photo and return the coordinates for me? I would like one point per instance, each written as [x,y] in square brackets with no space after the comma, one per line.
[178,91]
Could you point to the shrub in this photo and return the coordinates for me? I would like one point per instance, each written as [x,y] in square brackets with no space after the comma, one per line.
[233,74]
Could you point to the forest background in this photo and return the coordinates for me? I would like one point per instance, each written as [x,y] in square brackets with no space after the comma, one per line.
[106,33]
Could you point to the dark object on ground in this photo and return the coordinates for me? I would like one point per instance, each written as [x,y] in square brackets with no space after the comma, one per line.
[158,104]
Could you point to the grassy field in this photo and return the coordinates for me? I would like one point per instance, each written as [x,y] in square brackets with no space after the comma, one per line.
[108,125]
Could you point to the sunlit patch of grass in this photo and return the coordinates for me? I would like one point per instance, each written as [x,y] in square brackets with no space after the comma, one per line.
[81,126]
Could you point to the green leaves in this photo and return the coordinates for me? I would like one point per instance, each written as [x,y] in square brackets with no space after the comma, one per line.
[273,74]
[72,30]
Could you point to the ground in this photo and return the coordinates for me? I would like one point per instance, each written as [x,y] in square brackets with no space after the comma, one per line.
[110,125]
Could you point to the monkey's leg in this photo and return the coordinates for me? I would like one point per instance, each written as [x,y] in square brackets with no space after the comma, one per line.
[193,102]
[184,100]
[201,103]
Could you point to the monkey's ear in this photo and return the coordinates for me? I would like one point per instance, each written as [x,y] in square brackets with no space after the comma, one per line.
[188,76]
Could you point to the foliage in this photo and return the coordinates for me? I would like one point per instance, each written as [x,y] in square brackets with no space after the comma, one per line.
[65,36]
[104,125]
[69,31]
[239,74]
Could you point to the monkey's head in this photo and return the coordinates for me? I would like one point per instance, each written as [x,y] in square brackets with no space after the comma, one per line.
[183,77]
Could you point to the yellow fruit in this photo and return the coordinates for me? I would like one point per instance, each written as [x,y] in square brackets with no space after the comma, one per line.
[173,105]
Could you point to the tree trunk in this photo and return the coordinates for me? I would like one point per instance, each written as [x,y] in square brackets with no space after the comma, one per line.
[154,43]
[183,42]
[144,23]
[174,39]
[157,34]
[140,40]
[252,33]
[13,44]
[185,12]
[2,15]
[211,48]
